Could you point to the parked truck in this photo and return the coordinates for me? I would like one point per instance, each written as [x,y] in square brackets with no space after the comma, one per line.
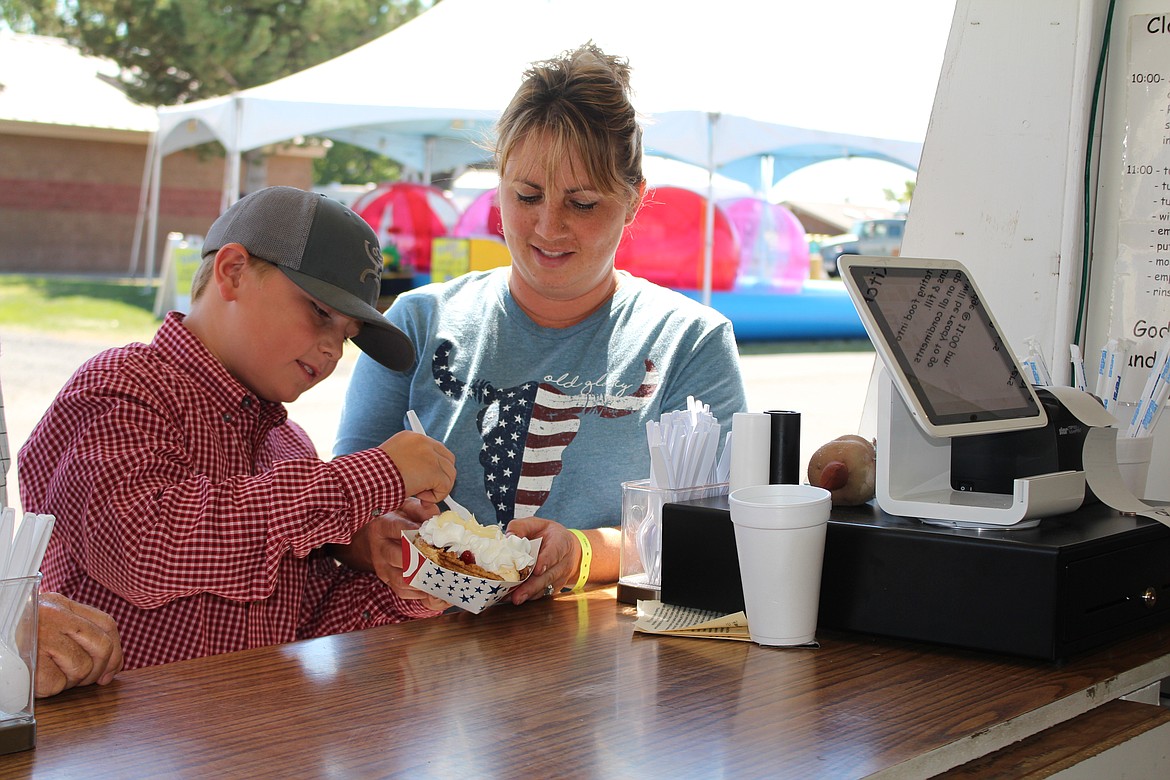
[881,237]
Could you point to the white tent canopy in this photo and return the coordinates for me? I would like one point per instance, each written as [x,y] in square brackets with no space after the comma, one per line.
[721,85]
[733,145]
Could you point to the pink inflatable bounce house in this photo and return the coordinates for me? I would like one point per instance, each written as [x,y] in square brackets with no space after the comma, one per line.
[481,218]
[773,249]
[665,242]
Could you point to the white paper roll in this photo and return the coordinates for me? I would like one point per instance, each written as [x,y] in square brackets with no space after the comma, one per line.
[1099,457]
[751,449]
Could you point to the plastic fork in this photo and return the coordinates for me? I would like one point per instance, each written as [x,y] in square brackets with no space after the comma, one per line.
[417,426]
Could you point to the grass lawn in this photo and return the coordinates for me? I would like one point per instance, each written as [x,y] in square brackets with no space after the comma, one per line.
[123,309]
[78,305]
[804,347]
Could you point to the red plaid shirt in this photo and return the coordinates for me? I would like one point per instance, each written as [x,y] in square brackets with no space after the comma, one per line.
[194,513]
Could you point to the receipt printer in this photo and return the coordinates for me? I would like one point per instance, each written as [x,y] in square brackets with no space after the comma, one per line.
[990,463]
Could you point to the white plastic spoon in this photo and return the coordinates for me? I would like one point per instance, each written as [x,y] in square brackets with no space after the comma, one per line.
[7,531]
[13,670]
[15,680]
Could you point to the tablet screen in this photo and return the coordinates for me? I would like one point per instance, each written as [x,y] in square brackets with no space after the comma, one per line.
[944,341]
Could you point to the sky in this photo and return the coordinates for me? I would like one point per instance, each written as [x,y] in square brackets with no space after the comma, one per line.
[858,181]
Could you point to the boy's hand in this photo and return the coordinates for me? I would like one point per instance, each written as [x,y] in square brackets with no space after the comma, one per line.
[427,467]
[418,511]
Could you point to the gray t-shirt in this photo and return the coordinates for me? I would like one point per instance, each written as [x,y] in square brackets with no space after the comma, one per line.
[544,421]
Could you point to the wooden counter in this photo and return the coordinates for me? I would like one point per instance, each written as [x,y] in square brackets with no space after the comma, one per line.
[565,688]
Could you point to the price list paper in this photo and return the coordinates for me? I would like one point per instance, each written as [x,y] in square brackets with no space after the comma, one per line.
[1141,285]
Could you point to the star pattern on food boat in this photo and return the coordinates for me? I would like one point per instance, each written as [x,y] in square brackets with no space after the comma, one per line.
[468,592]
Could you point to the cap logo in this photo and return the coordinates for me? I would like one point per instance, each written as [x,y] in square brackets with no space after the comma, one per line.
[376,258]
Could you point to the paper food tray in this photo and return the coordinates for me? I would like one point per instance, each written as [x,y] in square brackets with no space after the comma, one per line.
[466,591]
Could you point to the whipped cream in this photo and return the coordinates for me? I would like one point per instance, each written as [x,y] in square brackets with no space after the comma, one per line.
[502,554]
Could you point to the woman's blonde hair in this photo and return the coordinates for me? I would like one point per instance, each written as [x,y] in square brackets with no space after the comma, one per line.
[581,99]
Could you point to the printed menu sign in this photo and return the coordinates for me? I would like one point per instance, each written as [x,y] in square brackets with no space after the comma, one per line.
[1141,285]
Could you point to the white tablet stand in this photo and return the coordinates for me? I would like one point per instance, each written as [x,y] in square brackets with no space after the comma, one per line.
[914,478]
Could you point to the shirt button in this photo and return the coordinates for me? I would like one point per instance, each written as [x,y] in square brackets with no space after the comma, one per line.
[247,401]
[227,416]
[366,615]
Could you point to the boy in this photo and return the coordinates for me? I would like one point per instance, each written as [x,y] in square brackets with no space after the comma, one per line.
[188,507]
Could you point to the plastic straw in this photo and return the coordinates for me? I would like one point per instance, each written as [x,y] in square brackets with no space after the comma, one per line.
[1104,368]
[1154,394]
[1035,365]
[1080,382]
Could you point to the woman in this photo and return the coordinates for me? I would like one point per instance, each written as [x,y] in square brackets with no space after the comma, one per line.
[541,377]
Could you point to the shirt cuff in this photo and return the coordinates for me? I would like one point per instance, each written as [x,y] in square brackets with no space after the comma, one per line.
[371,480]
[389,607]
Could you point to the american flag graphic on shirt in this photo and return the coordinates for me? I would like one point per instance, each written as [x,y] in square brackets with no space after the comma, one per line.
[526,429]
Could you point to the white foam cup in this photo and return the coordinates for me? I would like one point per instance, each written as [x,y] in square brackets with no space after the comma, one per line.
[1133,461]
[780,541]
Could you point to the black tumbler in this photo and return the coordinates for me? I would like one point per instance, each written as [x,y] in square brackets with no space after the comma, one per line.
[784,461]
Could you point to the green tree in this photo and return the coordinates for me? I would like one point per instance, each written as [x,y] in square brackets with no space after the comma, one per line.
[175,51]
[348,164]
[902,198]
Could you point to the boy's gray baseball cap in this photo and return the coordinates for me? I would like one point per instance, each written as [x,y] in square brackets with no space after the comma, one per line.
[326,249]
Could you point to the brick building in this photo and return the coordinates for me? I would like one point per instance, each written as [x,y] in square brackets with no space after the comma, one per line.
[72,153]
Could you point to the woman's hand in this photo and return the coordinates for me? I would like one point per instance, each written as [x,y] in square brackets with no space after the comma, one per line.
[377,548]
[76,645]
[557,563]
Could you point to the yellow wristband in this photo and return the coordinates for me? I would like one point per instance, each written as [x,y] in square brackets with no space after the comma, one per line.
[586,559]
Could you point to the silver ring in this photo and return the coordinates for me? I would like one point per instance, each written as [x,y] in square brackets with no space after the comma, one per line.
[548,590]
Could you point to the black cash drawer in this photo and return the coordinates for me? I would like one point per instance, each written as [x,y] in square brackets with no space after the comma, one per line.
[1073,583]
